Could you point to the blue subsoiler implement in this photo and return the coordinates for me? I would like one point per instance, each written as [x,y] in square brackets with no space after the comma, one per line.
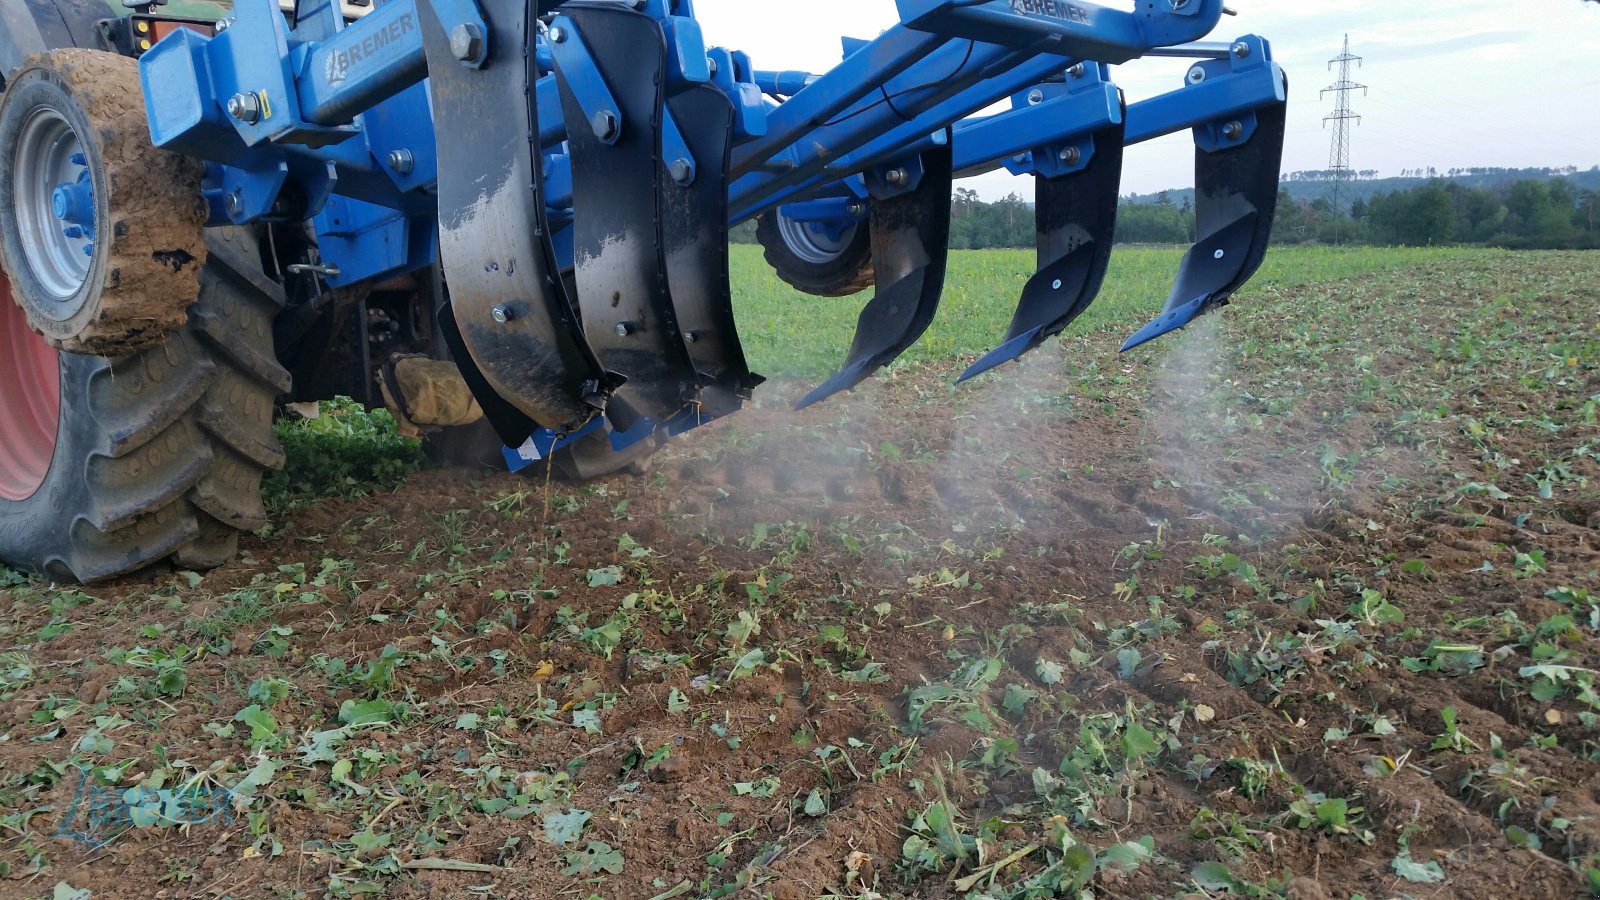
[606,139]
[563,177]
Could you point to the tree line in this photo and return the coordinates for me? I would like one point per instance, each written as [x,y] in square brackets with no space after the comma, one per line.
[1528,214]
[1525,214]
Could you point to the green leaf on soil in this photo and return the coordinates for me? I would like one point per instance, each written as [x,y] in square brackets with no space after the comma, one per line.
[596,858]
[565,828]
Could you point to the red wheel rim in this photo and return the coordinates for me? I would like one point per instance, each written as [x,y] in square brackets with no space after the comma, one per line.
[30,401]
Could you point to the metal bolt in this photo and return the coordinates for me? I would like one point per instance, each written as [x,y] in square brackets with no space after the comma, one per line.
[897,177]
[711,64]
[1241,49]
[604,124]
[691,336]
[72,231]
[558,35]
[681,171]
[1035,97]
[1076,71]
[1219,254]
[233,204]
[78,159]
[624,329]
[502,314]
[223,25]
[245,107]
[1233,130]
[401,161]
[466,41]
[1071,155]
[856,209]
[1020,158]
[1197,75]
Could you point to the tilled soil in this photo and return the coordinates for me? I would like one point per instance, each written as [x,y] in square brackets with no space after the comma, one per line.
[1193,595]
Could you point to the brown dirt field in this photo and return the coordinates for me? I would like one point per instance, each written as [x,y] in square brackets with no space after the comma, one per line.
[1047,569]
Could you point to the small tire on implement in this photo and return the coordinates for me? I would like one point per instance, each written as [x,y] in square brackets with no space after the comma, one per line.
[148,456]
[100,232]
[812,263]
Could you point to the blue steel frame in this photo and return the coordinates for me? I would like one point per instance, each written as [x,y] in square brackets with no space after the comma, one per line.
[325,120]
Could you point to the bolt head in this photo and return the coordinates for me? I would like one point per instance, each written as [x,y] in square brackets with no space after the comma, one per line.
[246,107]
[502,314]
[897,177]
[1241,49]
[1076,71]
[1035,97]
[558,35]
[691,336]
[624,329]
[857,209]
[466,42]
[233,204]
[682,172]
[1196,75]
[1071,155]
[605,125]
[1233,130]
[401,161]
[72,231]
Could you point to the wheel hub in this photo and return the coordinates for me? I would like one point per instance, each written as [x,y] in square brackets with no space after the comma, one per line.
[814,242]
[30,401]
[55,210]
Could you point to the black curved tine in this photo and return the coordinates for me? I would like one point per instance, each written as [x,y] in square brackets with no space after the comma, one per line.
[617,183]
[695,230]
[1236,195]
[1076,219]
[513,314]
[910,247]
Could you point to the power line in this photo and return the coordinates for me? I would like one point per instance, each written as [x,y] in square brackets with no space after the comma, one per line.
[1341,117]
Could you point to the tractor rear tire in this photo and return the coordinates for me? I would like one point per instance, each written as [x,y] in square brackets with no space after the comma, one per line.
[812,263]
[111,465]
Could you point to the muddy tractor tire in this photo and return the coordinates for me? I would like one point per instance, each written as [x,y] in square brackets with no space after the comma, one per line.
[814,262]
[100,232]
[109,465]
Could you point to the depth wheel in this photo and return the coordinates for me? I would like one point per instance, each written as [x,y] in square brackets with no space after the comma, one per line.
[809,259]
[111,464]
[99,231]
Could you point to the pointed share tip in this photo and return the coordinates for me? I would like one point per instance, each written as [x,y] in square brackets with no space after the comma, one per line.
[1001,355]
[851,375]
[1171,320]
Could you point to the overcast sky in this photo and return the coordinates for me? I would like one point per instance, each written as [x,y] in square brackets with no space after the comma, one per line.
[1452,84]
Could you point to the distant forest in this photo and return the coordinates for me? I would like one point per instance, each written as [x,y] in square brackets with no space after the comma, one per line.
[1548,213]
[1556,209]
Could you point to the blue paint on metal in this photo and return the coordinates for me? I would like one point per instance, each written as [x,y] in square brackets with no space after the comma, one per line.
[583,79]
[543,443]
[72,202]
[1171,320]
[340,111]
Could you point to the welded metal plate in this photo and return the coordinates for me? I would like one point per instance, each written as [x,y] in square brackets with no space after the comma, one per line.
[494,241]
[617,181]
[695,227]
[910,246]
[1075,218]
